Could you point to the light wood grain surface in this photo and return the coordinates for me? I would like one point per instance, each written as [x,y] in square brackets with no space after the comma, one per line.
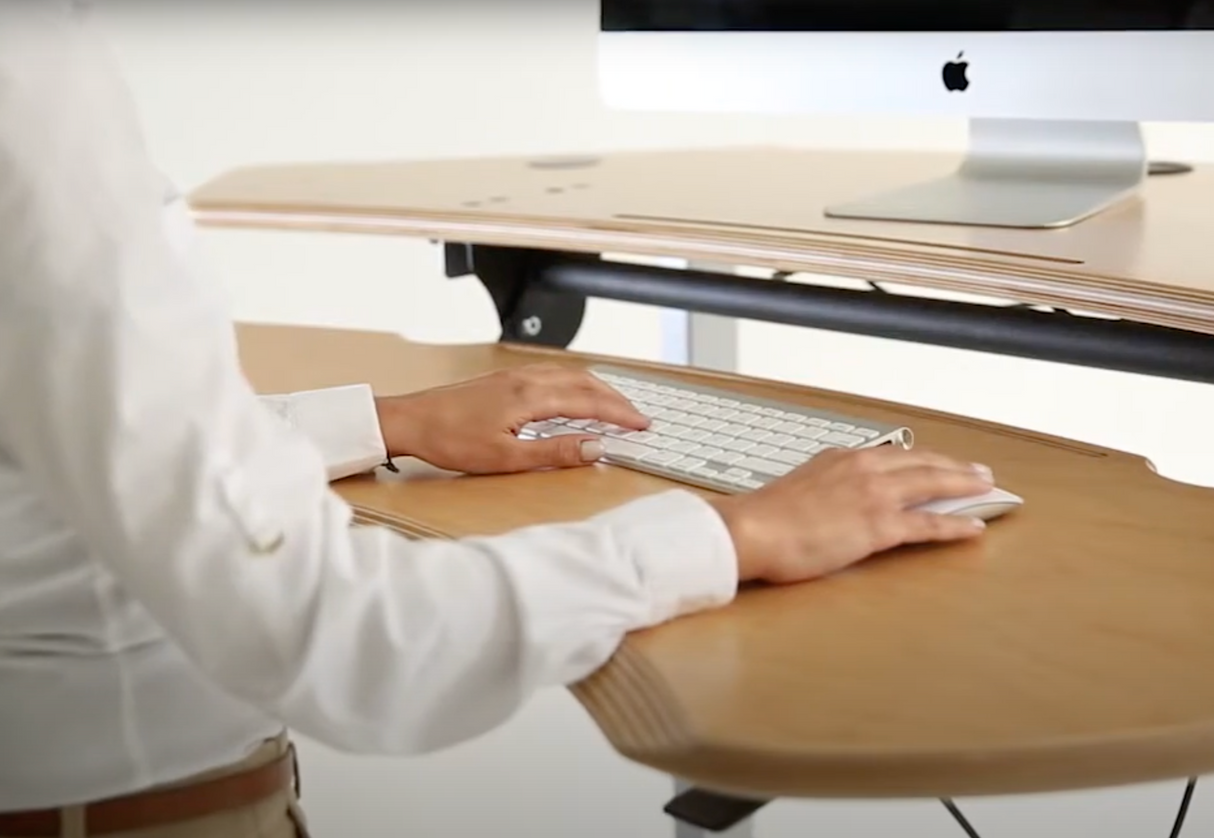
[1148,260]
[1072,647]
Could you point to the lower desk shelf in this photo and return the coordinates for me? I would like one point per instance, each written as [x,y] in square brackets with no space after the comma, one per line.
[1071,647]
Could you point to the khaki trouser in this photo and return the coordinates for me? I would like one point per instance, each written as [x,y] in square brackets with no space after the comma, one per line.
[278,816]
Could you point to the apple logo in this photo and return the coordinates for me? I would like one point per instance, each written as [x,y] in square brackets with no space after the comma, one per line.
[955,79]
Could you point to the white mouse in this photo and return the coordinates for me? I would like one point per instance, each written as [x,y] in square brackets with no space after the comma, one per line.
[986,506]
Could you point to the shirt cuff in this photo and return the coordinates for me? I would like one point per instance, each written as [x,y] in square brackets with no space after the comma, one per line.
[682,550]
[340,421]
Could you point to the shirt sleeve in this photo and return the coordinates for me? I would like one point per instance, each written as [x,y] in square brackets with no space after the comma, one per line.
[124,405]
[340,421]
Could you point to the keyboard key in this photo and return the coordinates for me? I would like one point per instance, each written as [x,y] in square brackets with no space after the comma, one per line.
[843,440]
[687,464]
[541,428]
[768,467]
[661,457]
[762,450]
[688,419]
[626,450]
[729,457]
[793,458]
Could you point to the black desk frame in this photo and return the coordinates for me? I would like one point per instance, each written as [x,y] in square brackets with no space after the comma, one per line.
[540,297]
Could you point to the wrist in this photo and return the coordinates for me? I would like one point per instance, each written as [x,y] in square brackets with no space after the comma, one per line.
[399,425]
[733,511]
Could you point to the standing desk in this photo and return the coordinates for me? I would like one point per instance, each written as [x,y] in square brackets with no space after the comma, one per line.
[1097,614]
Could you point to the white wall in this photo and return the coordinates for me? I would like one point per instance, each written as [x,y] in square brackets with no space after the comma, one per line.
[279,82]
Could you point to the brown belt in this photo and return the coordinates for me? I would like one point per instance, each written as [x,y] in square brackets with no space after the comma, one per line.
[162,807]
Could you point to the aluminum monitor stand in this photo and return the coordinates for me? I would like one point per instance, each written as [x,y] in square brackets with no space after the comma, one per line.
[1022,173]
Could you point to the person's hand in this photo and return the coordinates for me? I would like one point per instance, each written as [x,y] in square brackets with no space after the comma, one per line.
[472,426]
[844,506]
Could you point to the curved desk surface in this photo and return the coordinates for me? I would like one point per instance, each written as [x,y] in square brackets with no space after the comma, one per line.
[1072,647]
[1146,260]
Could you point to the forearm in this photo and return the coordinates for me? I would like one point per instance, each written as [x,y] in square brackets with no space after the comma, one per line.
[417,646]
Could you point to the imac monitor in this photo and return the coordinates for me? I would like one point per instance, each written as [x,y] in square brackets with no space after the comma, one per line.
[1054,90]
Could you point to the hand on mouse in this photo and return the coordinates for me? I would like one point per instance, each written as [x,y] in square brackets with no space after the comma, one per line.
[842,507]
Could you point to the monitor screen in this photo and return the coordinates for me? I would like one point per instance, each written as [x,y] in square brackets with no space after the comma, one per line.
[903,15]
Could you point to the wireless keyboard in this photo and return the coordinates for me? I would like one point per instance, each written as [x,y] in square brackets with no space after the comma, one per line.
[718,439]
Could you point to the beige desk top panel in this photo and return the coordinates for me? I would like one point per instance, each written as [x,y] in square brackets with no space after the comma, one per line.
[1148,260]
[1072,647]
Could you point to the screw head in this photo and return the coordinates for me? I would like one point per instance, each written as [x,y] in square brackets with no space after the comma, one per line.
[532,326]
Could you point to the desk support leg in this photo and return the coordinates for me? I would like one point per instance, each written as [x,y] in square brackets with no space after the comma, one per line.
[704,341]
[718,808]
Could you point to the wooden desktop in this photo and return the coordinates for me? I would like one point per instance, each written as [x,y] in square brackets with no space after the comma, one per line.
[1072,647]
[1147,260]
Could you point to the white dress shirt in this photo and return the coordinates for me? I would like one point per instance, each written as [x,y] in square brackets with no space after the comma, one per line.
[177,579]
